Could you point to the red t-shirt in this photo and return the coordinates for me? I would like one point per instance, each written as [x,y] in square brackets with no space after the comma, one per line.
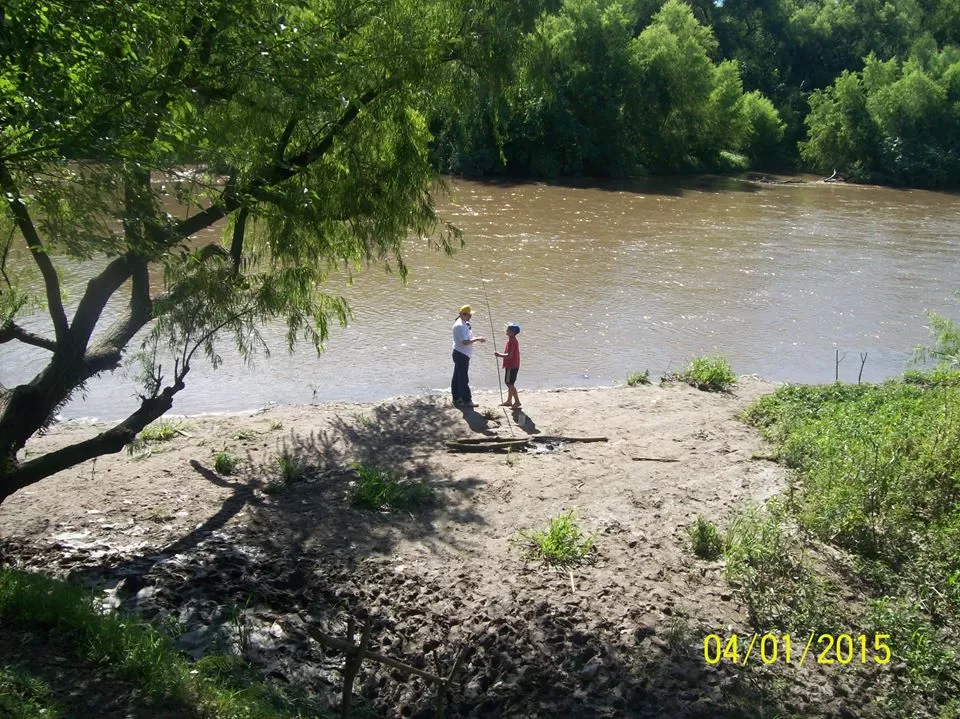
[512,362]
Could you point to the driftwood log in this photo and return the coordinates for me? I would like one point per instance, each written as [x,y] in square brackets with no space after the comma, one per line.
[509,444]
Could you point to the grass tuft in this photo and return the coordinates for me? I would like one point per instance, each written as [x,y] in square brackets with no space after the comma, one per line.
[290,466]
[638,378]
[710,373]
[162,431]
[224,462]
[561,544]
[380,489]
[706,540]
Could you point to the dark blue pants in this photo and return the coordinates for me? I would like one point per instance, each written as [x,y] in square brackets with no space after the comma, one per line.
[460,386]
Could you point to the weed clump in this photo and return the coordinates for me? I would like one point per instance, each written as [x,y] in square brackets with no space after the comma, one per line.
[224,462]
[561,544]
[710,373]
[380,489]
[637,378]
[155,433]
[290,467]
[706,540]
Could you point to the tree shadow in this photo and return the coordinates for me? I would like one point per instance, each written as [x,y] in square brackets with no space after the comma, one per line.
[305,554]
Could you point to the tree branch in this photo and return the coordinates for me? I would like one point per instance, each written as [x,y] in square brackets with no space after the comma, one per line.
[109,442]
[6,253]
[12,331]
[109,350]
[50,278]
[275,173]
[99,291]
[236,244]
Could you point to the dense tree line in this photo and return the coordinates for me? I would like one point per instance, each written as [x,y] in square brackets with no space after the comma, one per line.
[867,88]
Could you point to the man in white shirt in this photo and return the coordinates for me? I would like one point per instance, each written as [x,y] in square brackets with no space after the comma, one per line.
[463,341]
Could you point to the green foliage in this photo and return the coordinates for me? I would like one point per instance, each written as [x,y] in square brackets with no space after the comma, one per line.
[638,378]
[300,129]
[938,377]
[946,343]
[893,121]
[161,431]
[224,462]
[706,540]
[23,696]
[380,489]
[155,433]
[928,655]
[602,89]
[710,373]
[561,544]
[767,564]
[290,466]
[764,129]
[878,476]
[132,650]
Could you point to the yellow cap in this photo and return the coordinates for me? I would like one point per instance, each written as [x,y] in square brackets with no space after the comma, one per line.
[467,309]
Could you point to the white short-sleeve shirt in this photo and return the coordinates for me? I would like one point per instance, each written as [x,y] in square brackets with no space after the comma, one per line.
[462,333]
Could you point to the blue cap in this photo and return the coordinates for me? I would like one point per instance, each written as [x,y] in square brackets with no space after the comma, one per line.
[514,326]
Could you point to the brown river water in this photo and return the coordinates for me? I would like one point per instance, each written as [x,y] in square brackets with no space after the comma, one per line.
[608,280]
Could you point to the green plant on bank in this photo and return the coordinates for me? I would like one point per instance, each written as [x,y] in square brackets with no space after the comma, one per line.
[925,649]
[290,467]
[710,373]
[878,475]
[224,462]
[239,627]
[768,565]
[23,696]
[679,635]
[245,435]
[276,424]
[381,489]
[706,540]
[638,378]
[162,431]
[64,620]
[561,544]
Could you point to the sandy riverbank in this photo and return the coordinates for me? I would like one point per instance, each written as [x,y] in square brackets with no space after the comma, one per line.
[187,542]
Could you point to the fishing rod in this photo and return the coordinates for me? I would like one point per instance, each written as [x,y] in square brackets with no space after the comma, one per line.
[493,336]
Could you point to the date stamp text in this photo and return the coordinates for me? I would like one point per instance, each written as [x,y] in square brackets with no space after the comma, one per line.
[770,648]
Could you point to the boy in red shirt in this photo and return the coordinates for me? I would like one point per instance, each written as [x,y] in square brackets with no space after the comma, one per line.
[511,365]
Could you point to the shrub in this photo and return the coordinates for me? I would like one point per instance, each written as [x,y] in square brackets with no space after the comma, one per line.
[766,563]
